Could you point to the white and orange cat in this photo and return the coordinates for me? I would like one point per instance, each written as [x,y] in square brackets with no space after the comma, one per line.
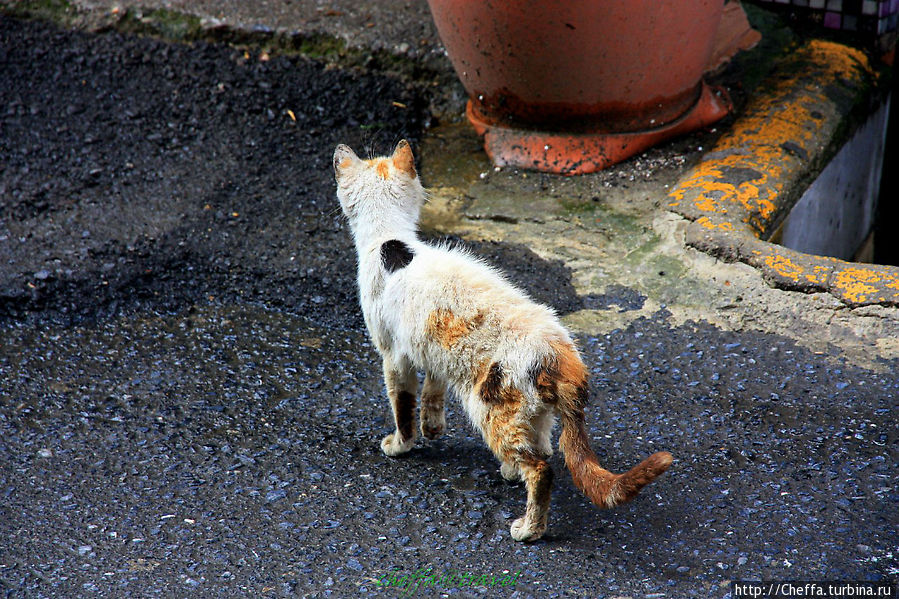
[441,311]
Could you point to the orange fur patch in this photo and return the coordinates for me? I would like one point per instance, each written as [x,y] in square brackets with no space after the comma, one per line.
[491,387]
[562,375]
[432,419]
[383,169]
[447,328]
[570,367]
[539,478]
[505,435]
[345,163]
[402,158]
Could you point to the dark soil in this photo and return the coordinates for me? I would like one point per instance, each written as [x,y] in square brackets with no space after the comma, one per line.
[138,172]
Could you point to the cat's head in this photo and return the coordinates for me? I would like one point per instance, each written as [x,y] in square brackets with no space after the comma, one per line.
[379,186]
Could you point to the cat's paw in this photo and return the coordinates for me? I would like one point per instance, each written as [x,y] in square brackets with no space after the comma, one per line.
[432,424]
[393,446]
[510,472]
[522,531]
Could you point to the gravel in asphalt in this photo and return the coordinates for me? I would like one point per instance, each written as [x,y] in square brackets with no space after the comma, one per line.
[189,404]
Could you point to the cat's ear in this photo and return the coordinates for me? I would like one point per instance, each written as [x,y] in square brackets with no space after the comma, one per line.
[402,158]
[344,158]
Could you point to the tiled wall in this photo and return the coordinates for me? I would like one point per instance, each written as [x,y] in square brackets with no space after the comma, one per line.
[869,17]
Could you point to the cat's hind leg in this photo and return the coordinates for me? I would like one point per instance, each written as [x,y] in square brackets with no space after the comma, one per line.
[509,429]
[433,420]
[538,477]
[402,384]
[541,426]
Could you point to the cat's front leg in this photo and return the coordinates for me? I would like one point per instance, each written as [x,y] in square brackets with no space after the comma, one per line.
[433,421]
[402,384]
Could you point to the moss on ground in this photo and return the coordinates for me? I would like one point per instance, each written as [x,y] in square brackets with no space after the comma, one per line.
[59,11]
[161,22]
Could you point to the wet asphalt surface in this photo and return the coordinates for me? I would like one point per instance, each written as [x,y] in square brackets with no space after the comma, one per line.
[189,405]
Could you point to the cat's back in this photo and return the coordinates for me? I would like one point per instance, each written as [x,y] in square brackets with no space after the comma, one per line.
[446,280]
[443,271]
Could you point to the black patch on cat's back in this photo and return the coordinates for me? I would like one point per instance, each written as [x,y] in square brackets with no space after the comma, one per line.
[395,255]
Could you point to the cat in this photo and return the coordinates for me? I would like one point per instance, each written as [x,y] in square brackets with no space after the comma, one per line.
[442,311]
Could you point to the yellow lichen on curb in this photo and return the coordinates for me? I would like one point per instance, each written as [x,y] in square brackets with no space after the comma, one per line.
[842,60]
[739,186]
[708,224]
[860,285]
[775,139]
[798,273]
[788,113]
[717,194]
[818,275]
[784,266]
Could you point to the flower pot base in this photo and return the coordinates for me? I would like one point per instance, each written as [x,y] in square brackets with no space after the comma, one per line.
[581,153]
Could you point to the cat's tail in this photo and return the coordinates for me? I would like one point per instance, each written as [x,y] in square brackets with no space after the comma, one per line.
[604,488]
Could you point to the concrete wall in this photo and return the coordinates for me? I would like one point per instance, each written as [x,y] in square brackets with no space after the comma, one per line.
[835,215]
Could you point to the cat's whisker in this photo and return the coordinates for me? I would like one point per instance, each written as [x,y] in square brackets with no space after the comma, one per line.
[332,212]
[371,134]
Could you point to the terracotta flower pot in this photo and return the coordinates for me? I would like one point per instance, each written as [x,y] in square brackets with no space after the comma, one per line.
[575,86]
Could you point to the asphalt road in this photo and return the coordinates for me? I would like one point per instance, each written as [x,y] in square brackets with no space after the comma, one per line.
[189,405]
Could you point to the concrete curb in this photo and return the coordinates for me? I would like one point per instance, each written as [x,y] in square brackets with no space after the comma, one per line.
[740,192]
